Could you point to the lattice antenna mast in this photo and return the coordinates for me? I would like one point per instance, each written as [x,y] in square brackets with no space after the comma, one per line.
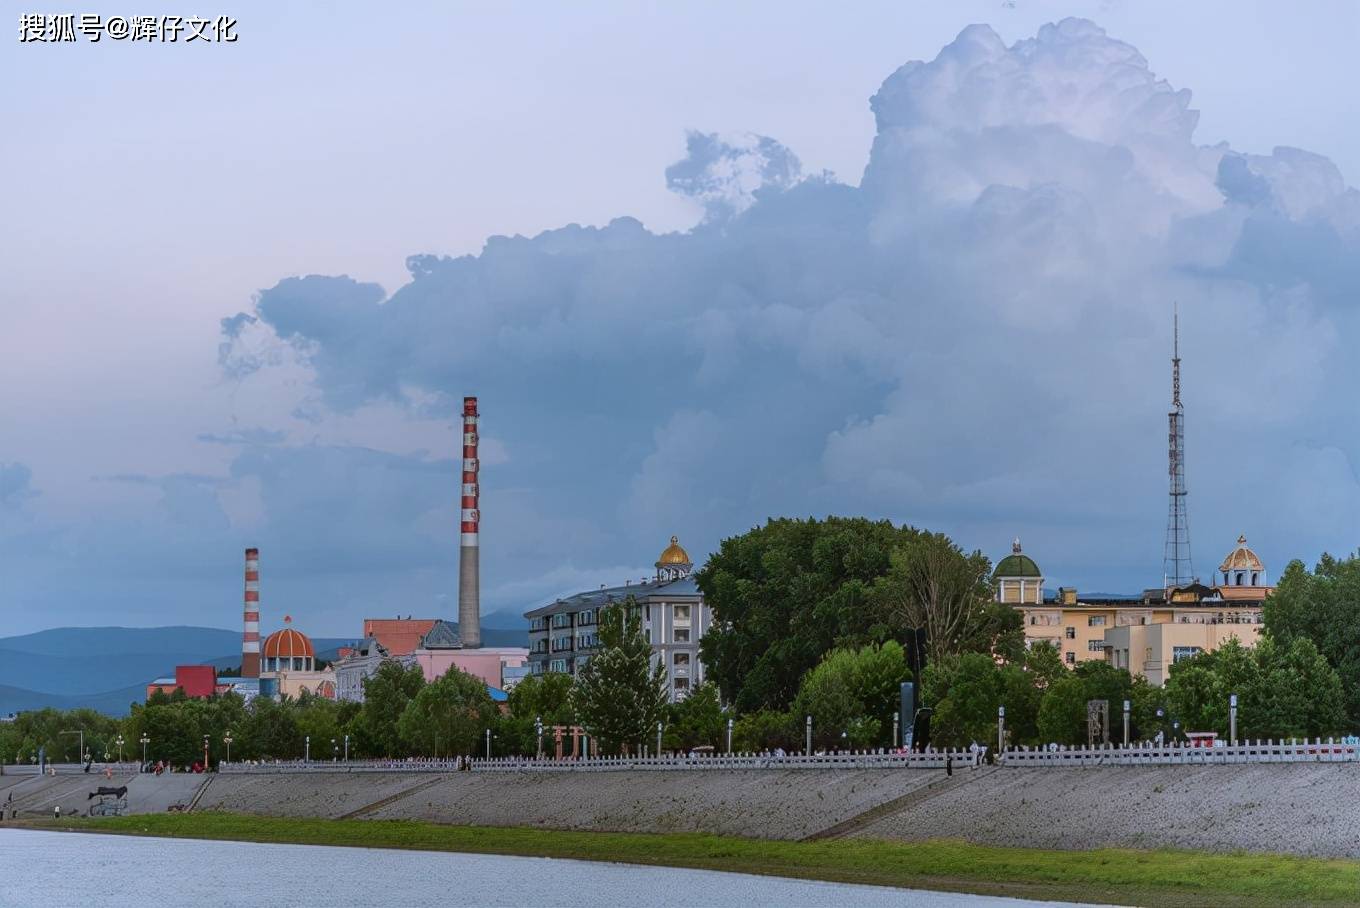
[1176,564]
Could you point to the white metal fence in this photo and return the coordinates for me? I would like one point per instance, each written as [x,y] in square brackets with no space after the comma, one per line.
[1317,751]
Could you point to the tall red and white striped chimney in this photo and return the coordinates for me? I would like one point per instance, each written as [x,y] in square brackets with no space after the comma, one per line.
[469,591]
[250,639]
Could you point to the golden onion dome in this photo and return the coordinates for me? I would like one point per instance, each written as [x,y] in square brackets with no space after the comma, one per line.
[674,554]
[1241,558]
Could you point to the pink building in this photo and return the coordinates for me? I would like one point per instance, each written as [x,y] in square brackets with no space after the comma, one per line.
[442,649]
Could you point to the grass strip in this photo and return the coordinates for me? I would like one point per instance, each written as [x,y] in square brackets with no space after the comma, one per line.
[1118,876]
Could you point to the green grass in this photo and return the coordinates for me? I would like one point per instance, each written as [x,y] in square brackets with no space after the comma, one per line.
[1110,875]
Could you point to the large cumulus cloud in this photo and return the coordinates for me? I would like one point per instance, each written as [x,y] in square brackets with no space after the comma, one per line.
[976,337]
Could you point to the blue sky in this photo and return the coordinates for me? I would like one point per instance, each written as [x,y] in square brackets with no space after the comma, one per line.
[951,308]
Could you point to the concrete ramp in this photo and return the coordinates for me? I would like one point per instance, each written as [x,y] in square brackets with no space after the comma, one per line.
[71,792]
[150,793]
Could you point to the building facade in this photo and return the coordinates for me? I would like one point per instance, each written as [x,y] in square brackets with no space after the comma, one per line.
[564,634]
[1145,633]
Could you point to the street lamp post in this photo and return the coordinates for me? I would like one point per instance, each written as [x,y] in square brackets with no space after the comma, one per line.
[205,753]
[1126,723]
[488,744]
[119,742]
[1000,729]
[226,739]
[845,740]
[307,749]
[809,736]
[145,740]
[538,736]
[335,751]
[1232,719]
[658,739]
[897,731]
[729,736]
[346,748]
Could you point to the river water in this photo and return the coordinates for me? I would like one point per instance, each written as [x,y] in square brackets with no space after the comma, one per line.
[57,869]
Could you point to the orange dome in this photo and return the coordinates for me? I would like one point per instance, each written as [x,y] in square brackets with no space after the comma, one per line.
[288,644]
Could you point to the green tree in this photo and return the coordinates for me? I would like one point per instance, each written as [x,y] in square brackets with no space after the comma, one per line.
[697,720]
[932,584]
[783,595]
[852,695]
[766,730]
[1321,606]
[386,695]
[546,697]
[619,696]
[448,717]
[966,691]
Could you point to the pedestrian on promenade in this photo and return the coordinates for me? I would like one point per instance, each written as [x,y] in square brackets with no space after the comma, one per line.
[949,764]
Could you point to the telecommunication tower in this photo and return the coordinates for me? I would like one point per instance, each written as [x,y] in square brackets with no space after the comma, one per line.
[1176,565]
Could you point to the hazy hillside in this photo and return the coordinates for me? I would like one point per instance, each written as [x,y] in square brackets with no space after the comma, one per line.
[106,667]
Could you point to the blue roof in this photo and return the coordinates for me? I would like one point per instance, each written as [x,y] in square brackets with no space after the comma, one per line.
[497,695]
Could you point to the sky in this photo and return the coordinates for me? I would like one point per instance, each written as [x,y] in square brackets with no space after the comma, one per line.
[703,263]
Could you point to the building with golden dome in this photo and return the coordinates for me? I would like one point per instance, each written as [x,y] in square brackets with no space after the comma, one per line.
[288,665]
[564,634]
[1144,634]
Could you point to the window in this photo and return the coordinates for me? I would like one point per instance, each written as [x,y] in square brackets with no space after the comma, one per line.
[1070,658]
[558,665]
[682,635]
[561,620]
[682,613]
[681,660]
[1095,646]
[1179,653]
[681,683]
[586,617]
[1033,620]
[1095,621]
[1070,633]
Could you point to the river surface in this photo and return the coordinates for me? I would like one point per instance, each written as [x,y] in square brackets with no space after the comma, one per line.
[56,869]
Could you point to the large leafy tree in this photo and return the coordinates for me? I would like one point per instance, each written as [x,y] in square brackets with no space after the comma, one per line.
[784,594]
[447,716]
[1322,606]
[619,696]
[852,695]
[933,585]
[386,694]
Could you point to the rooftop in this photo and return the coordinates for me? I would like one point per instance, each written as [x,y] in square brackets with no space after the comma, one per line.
[684,586]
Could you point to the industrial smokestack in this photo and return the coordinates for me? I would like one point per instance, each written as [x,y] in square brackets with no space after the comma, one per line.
[250,639]
[469,583]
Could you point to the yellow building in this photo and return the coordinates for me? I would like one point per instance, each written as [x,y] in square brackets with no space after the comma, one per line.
[1150,650]
[1096,627]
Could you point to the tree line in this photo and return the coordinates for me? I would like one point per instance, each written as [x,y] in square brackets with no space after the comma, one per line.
[811,618]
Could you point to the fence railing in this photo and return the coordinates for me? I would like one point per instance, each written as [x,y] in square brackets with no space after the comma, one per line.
[1317,751]
[857,760]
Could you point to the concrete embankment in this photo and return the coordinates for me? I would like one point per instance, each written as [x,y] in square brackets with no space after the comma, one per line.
[1304,809]
[37,795]
[1292,808]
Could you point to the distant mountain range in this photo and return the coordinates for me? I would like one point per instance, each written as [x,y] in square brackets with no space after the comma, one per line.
[107,668]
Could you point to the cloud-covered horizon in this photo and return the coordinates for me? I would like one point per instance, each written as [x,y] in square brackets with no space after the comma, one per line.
[974,338]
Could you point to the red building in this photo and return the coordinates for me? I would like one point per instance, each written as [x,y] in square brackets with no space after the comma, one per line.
[399,636]
[196,680]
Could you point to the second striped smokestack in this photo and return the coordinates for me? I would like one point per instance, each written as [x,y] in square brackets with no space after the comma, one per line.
[469,581]
[250,638]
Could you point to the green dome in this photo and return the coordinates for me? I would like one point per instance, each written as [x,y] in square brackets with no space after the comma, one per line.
[1017,565]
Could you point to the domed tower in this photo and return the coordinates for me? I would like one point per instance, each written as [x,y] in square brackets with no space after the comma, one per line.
[1017,579]
[1242,568]
[674,562]
[288,650]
